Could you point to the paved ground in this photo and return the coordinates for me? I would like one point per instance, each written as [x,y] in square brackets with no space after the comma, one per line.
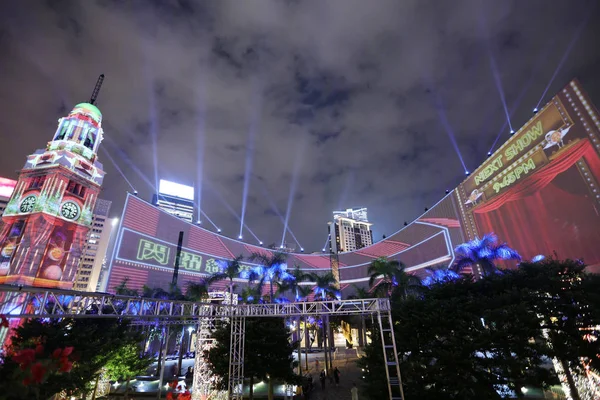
[350,374]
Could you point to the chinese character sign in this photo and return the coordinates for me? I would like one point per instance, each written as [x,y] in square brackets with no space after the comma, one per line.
[148,250]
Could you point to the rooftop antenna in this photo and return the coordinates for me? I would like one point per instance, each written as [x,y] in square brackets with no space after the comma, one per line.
[97,89]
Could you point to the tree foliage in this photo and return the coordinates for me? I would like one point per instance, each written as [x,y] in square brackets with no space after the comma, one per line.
[268,352]
[488,339]
[483,252]
[94,341]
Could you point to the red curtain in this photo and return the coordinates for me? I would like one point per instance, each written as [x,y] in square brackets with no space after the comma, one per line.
[539,179]
[559,216]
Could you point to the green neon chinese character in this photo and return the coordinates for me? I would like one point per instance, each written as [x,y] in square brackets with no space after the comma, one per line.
[212,267]
[191,261]
[148,250]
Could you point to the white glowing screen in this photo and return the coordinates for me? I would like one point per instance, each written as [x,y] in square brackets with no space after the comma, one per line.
[176,189]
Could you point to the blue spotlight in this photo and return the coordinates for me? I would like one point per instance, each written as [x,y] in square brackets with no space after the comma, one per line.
[281,247]
[135,192]
[535,110]
[240,237]
[199,222]
[489,153]
[219,230]
[512,131]
[467,172]
[261,243]
[127,160]
[447,191]
[323,250]
[302,249]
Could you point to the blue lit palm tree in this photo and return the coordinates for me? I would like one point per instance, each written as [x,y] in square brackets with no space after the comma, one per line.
[483,252]
[325,285]
[273,267]
[441,275]
[229,271]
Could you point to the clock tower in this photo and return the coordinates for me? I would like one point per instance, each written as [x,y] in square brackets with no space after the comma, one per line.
[46,221]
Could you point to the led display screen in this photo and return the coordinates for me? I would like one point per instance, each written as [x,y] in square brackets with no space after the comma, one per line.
[176,189]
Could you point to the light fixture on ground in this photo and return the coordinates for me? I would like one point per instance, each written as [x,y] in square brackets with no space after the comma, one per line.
[489,153]
[323,250]
[512,131]
[535,110]
[135,192]
[261,243]
[240,237]
[199,222]
[219,230]
[302,249]
[467,173]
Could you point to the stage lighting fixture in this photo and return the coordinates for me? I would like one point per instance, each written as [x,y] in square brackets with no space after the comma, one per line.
[323,250]
[302,249]
[467,173]
[535,110]
[426,209]
[135,192]
[219,230]
[405,223]
[512,131]
[489,153]
[198,222]
[261,243]
[240,237]
[281,247]
[447,191]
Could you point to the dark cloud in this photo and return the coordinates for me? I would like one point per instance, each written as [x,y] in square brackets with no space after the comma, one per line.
[343,93]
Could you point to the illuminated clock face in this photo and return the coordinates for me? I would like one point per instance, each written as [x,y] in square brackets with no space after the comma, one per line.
[27,204]
[69,210]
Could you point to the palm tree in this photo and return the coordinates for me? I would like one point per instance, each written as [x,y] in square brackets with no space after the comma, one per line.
[483,252]
[392,277]
[361,293]
[197,291]
[272,267]
[295,277]
[440,275]
[230,271]
[325,285]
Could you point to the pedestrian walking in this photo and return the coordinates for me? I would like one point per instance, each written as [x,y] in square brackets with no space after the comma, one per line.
[336,376]
[322,379]
[354,392]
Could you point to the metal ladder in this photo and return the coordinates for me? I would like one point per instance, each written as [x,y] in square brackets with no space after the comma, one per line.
[390,356]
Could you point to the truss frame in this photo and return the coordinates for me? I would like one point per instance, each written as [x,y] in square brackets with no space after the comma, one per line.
[31,302]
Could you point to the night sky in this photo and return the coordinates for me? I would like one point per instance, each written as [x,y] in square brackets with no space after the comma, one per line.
[339,103]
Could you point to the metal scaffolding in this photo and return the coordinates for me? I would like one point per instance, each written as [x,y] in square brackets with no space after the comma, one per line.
[20,302]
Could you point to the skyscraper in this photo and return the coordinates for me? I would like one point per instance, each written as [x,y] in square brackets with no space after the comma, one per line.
[93,255]
[50,211]
[350,230]
[176,199]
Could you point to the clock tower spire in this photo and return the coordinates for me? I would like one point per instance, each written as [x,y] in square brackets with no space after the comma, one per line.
[46,221]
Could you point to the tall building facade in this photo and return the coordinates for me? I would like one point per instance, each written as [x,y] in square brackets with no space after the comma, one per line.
[49,214]
[350,230]
[7,187]
[93,256]
[176,199]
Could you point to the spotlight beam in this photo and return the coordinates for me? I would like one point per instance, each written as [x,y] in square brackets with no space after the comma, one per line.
[498,83]
[250,147]
[326,241]
[540,59]
[117,167]
[572,42]
[209,220]
[232,211]
[130,163]
[446,125]
[276,211]
[293,184]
